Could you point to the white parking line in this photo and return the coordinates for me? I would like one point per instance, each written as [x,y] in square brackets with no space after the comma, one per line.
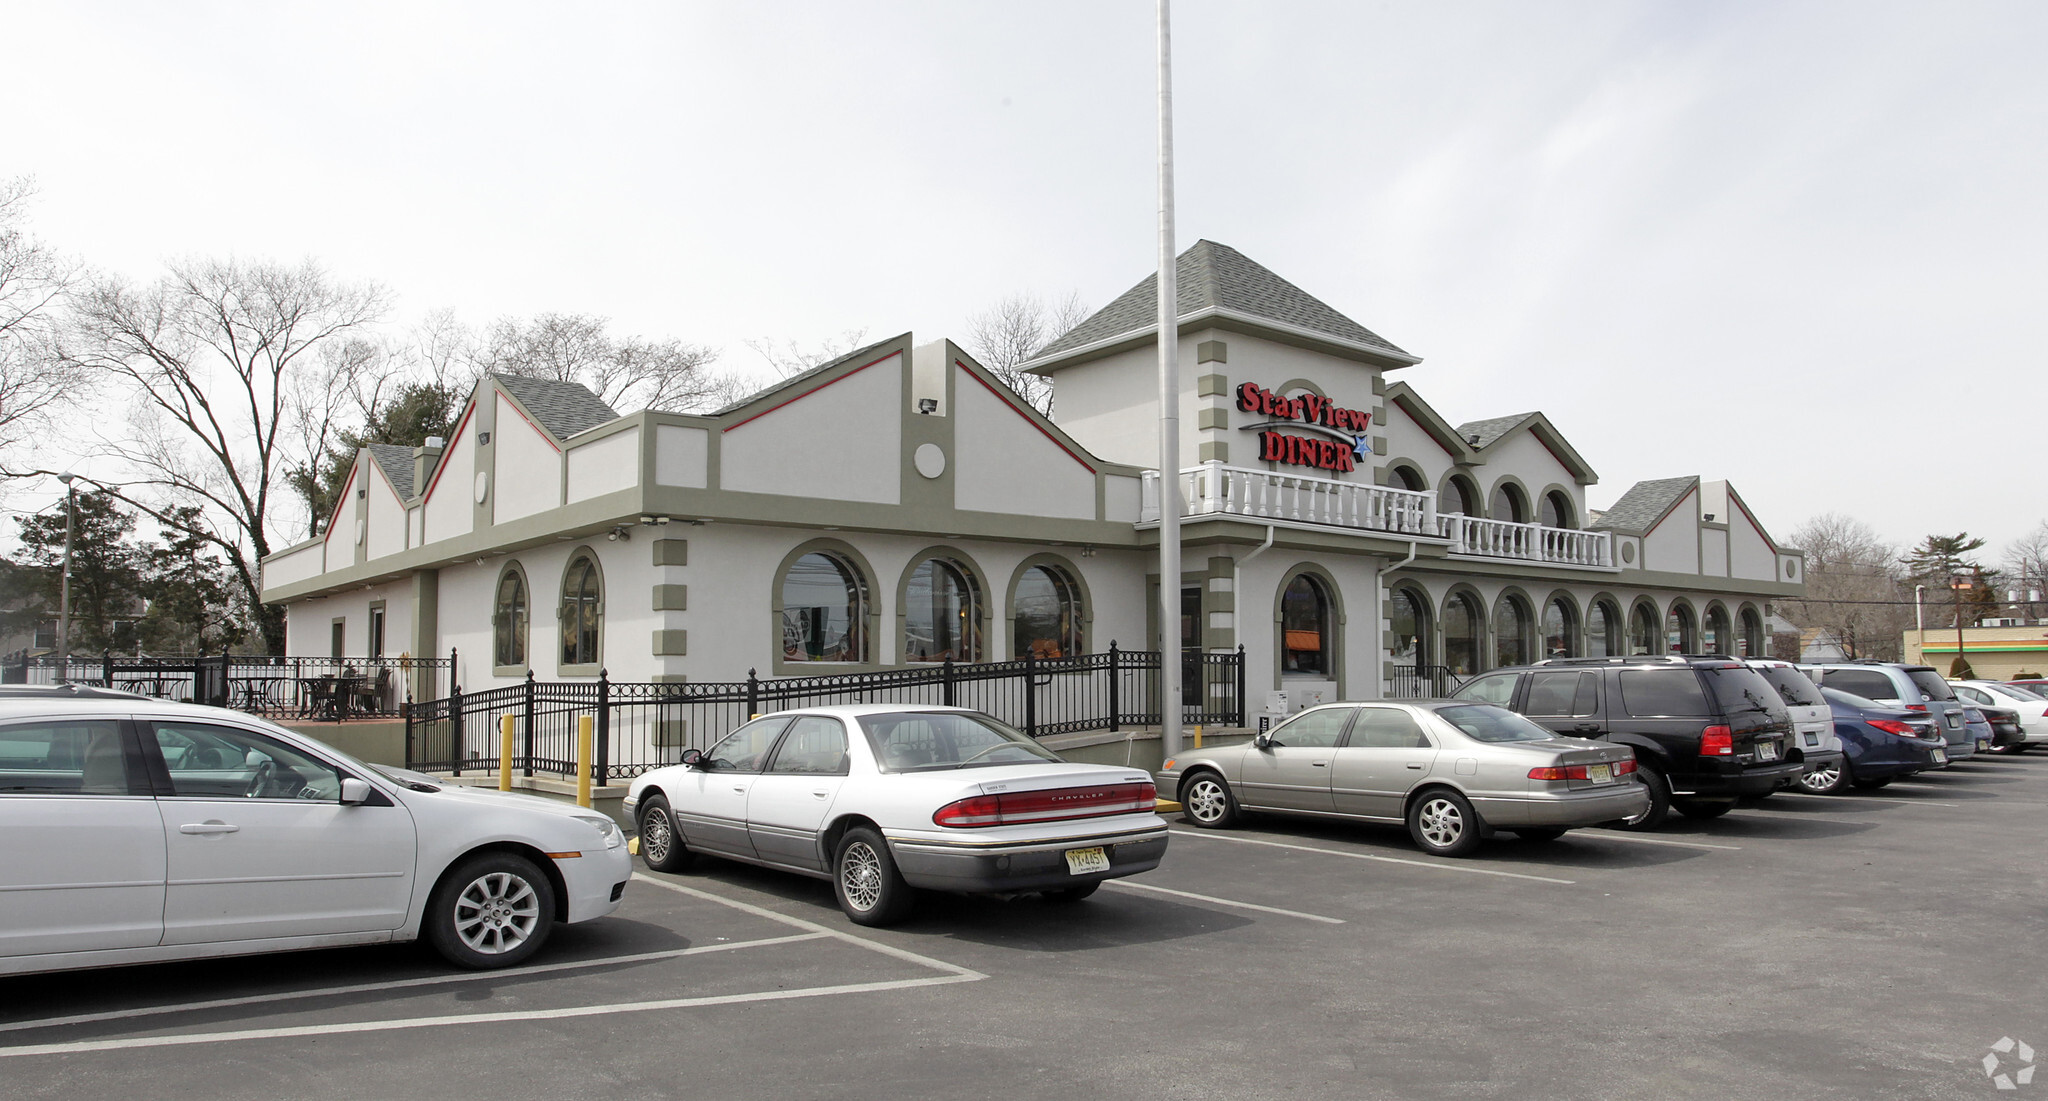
[1617,835]
[1373,856]
[1129,886]
[1856,799]
[952,973]
[402,984]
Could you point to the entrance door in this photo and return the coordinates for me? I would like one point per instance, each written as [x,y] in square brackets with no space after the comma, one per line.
[1191,687]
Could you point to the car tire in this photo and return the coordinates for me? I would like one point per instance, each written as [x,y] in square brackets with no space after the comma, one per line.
[865,879]
[492,910]
[661,844]
[1542,835]
[1206,800]
[1443,823]
[1702,809]
[1067,895]
[1871,785]
[1659,809]
[1828,780]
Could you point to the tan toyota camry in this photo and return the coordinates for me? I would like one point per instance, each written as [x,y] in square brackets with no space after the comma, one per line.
[1452,771]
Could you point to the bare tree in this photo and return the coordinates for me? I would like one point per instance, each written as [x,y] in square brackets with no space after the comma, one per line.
[33,384]
[2026,563]
[1854,587]
[225,363]
[789,359]
[627,373]
[1009,333]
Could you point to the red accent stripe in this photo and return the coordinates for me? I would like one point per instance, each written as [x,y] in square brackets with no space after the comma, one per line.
[336,514]
[441,467]
[1027,417]
[1758,528]
[545,437]
[808,393]
[1417,422]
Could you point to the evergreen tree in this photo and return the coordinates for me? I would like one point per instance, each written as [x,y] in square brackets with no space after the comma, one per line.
[416,411]
[106,576]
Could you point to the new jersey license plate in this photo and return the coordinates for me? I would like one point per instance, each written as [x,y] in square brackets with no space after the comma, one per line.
[1767,751]
[1599,774]
[1083,861]
[1940,757]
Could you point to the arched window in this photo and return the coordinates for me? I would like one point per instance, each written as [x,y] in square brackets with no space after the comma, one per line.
[582,610]
[1560,629]
[942,613]
[509,621]
[824,610]
[1603,631]
[1679,637]
[1752,634]
[1305,638]
[1410,623]
[1405,477]
[1459,497]
[1714,639]
[1510,633]
[1462,629]
[1047,610]
[1642,631]
[1557,511]
[1507,504]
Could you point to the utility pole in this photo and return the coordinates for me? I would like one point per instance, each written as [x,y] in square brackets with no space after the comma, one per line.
[64,586]
[1169,415]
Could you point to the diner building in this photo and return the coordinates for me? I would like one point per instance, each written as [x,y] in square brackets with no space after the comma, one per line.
[901,505]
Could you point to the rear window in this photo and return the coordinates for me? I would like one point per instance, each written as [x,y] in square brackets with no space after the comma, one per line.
[2024,693]
[1794,687]
[1743,689]
[1930,684]
[1493,724]
[1868,683]
[922,741]
[1672,692]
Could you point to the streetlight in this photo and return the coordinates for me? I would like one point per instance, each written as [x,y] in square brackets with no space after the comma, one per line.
[64,587]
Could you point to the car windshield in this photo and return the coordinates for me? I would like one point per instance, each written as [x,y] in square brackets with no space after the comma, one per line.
[1930,684]
[1794,687]
[1488,723]
[1742,689]
[926,741]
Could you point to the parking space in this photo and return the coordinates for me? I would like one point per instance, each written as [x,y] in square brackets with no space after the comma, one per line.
[1866,945]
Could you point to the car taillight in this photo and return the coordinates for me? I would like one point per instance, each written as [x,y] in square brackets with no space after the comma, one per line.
[1012,808]
[1623,768]
[1576,772]
[1717,741]
[1916,707]
[1893,726]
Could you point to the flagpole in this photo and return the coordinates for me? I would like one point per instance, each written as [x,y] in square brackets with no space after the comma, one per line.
[1169,417]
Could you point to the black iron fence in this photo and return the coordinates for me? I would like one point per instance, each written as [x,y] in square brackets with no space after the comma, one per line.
[277,687]
[640,726]
[1420,681]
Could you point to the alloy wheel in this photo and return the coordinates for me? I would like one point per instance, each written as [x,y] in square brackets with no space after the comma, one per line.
[1822,780]
[1442,824]
[656,835]
[860,876]
[496,913]
[1205,800]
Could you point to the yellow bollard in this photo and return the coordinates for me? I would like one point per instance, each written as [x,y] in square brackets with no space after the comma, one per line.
[505,724]
[586,746]
[1198,735]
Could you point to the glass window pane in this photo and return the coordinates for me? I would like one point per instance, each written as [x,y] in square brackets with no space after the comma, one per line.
[745,749]
[814,745]
[1663,693]
[941,617]
[1318,729]
[1461,636]
[1494,724]
[1598,624]
[63,758]
[822,611]
[933,740]
[1408,624]
[1552,693]
[1642,631]
[1386,728]
[226,762]
[1304,627]
[1559,639]
[1510,633]
[1047,614]
[1507,505]
[1499,689]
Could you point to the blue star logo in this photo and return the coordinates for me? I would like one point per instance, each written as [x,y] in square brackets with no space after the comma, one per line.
[1361,446]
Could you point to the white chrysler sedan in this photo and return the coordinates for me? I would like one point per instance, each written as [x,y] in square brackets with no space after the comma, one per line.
[882,799]
[137,830]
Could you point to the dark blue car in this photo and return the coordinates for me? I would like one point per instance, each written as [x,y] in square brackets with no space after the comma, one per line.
[1879,745]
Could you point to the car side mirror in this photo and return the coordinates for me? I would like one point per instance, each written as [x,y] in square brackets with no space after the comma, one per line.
[354,792]
[693,758]
[1263,739]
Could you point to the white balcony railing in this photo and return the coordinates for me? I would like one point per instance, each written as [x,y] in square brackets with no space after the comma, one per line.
[1214,488]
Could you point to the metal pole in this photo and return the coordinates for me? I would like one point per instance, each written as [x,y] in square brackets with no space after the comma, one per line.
[1169,412]
[64,586]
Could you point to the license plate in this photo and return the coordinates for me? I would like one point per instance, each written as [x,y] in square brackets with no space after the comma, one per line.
[1940,757]
[1083,861]
[1766,751]
[1813,739]
[1954,721]
[1599,774]
[1983,745]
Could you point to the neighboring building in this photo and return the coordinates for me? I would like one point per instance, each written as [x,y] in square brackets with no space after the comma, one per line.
[1995,653]
[900,505]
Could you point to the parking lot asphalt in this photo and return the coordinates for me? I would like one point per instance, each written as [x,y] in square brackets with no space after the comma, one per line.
[1868,946]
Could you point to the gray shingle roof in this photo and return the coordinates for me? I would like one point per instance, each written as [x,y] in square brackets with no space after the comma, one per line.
[1212,275]
[1645,503]
[396,462]
[563,408]
[1483,433]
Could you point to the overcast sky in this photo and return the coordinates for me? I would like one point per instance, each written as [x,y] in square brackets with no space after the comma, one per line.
[1798,245]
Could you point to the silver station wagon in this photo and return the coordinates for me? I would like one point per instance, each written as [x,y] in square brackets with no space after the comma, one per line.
[1452,771]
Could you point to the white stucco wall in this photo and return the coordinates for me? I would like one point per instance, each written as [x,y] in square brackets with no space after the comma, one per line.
[604,465]
[1713,552]
[840,442]
[386,514]
[1004,463]
[450,506]
[529,475]
[299,565]
[682,456]
[1110,405]
[1750,556]
[1673,546]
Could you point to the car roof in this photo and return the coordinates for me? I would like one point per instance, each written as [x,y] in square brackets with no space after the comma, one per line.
[19,699]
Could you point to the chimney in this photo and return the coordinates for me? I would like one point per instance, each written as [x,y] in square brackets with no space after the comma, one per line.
[424,459]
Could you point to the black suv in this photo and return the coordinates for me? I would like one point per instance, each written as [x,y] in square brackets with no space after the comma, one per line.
[1706,730]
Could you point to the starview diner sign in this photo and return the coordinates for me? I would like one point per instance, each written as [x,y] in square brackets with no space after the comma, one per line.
[1345,428]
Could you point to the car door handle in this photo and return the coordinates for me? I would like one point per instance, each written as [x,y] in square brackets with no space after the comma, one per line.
[207,828]
[741,788]
[821,792]
[1319,764]
[1415,764]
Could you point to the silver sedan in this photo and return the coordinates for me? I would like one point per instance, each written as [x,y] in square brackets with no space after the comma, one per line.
[1452,771]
